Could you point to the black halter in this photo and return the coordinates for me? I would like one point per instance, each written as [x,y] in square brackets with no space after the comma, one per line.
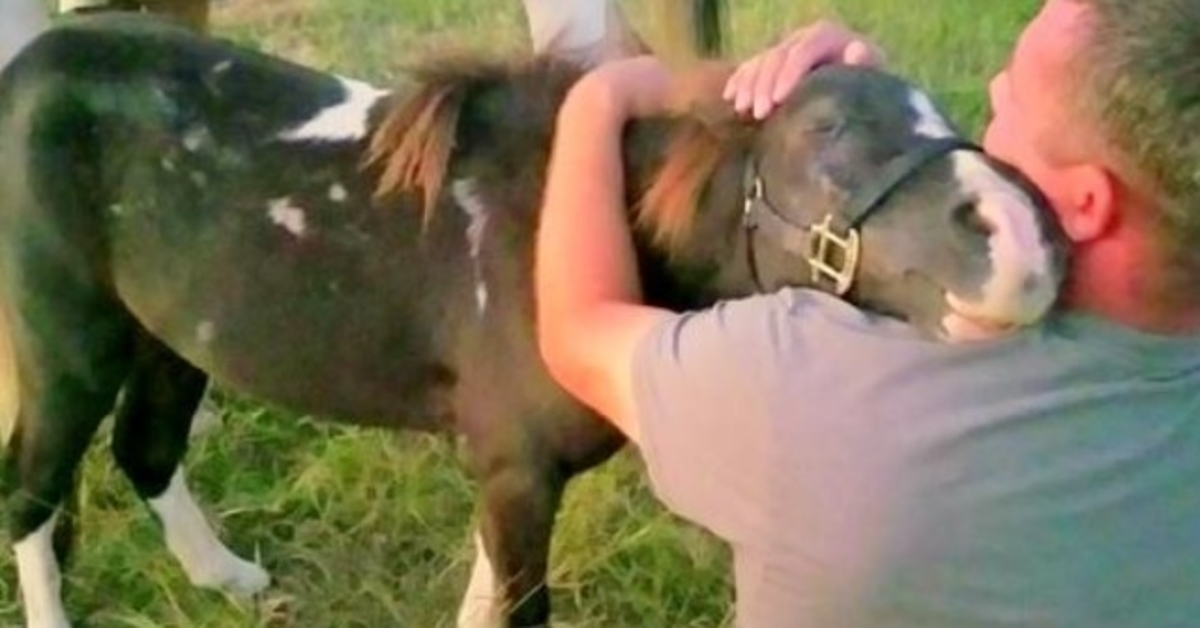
[831,246]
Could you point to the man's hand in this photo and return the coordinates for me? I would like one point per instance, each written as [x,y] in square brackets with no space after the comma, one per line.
[766,79]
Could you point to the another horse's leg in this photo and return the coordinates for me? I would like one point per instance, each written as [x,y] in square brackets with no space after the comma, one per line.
[149,440]
[71,359]
[20,22]
[587,31]
[508,581]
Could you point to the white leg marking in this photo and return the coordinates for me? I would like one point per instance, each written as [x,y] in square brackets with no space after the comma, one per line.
[283,213]
[473,206]
[929,122]
[207,562]
[41,582]
[480,605]
[207,417]
[346,120]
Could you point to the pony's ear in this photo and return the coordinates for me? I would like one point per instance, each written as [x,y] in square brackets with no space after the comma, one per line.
[838,156]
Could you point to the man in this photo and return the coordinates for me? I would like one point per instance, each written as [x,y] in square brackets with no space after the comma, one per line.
[866,477]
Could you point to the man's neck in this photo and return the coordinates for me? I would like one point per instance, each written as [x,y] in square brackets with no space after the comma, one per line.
[1122,289]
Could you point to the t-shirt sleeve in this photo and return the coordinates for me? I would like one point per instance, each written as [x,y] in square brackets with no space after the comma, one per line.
[704,383]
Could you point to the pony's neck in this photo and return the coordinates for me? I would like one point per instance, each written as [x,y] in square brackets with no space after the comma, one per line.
[708,263]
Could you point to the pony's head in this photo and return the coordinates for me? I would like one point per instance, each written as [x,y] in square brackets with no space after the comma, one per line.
[859,186]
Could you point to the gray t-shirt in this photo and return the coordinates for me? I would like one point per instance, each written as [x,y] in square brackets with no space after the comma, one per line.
[867,478]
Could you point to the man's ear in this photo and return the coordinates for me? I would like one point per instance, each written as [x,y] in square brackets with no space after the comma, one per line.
[1089,202]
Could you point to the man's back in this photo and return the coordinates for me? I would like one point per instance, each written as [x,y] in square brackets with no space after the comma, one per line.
[1048,479]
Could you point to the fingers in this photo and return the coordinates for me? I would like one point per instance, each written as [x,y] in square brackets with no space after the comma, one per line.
[803,57]
[859,52]
[752,84]
[766,79]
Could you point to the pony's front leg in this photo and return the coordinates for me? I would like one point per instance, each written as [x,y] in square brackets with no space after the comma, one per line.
[508,581]
[53,430]
[149,441]
[204,558]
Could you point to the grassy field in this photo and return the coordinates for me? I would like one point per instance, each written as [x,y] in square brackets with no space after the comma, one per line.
[363,528]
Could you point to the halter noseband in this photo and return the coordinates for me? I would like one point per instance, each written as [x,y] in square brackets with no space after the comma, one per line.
[831,246]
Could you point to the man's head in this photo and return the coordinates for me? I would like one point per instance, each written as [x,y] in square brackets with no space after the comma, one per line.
[1100,105]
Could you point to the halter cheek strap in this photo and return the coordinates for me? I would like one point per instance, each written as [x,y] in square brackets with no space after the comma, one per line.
[832,246]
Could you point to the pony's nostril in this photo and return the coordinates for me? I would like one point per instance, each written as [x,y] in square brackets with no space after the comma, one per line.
[1031,284]
[968,216]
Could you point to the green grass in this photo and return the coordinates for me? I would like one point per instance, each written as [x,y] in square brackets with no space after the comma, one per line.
[363,528]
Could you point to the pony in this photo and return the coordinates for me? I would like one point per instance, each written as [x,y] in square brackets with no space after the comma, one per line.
[175,209]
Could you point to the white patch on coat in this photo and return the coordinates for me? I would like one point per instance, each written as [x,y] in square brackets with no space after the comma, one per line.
[282,212]
[929,122]
[337,193]
[196,137]
[222,67]
[467,197]
[1024,282]
[40,578]
[480,606]
[346,120]
[205,560]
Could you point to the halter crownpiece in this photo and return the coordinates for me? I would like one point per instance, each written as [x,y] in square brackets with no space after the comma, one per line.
[832,246]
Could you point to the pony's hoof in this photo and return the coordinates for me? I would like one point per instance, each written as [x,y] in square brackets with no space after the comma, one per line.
[240,578]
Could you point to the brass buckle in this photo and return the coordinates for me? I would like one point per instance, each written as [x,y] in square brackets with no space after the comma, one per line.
[752,196]
[832,256]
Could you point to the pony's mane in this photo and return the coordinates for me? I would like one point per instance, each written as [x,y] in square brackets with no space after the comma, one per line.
[706,133]
[414,142]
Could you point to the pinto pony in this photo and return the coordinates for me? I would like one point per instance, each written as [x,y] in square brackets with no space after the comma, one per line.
[175,209]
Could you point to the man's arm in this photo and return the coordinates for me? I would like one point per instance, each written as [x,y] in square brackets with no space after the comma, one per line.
[590,316]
